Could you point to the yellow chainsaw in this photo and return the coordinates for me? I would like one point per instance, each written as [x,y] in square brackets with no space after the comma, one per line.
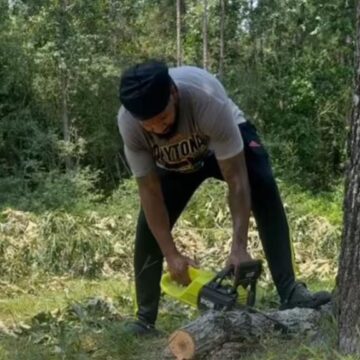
[221,291]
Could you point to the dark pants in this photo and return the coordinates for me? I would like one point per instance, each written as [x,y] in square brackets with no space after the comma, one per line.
[267,209]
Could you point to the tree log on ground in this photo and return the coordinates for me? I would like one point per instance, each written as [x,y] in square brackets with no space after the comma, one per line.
[212,330]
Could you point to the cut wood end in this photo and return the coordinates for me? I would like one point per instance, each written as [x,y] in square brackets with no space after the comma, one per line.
[182,345]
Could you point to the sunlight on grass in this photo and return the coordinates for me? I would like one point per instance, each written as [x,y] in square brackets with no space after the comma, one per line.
[105,339]
[49,294]
[47,316]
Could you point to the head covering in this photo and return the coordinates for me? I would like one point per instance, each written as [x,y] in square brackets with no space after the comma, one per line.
[145,89]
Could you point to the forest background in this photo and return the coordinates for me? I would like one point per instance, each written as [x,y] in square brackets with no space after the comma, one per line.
[68,204]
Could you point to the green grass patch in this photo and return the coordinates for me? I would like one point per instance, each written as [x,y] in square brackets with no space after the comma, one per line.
[34,295]
[320,204]
[68,252]
[56,322]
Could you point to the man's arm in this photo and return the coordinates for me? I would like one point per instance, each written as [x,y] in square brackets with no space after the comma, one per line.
[157,217]
[234,172]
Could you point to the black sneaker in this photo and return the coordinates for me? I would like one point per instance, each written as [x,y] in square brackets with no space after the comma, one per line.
[301,297]
[140,328]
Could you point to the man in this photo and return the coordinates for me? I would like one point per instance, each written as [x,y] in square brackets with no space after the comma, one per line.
[179,128]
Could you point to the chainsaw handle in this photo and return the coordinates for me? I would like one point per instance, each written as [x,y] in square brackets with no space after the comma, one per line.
[248,273]
[223,274]
[246,276]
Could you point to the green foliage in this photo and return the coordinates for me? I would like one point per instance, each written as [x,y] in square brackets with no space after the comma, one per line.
[287,63]
[301,93]
[82,241]
[61,243]
[63,233]
[52,190]
[324,204]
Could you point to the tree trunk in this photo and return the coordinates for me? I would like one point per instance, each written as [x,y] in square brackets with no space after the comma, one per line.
[178,33]
[205,36]
[208,333]
[349,267]
[222,45]
[64,83]
[114,19]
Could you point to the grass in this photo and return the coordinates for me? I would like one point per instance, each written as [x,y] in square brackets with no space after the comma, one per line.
[321,204]
[33,295]
[58,336]
[52,262]
[51,333]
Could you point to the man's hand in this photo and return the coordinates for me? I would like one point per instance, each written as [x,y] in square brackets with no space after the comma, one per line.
[235,259]
[178,267]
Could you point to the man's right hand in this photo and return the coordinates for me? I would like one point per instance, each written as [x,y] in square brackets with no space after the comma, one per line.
[236,258]
[178,268]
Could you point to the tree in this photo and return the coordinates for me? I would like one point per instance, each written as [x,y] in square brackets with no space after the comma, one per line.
[349,269]
[64,79]
[178,33]
[302,71]
[288,66]
[205,36]
[222,44]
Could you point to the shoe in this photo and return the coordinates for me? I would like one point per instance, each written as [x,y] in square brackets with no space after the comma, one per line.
[301,297]
[140,328]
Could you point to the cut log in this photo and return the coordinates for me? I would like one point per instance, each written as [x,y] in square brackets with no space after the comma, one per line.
[213,329]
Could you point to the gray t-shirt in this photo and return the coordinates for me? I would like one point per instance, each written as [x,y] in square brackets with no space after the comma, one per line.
[207,123]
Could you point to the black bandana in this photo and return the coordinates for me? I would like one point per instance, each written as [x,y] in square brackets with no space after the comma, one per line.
[145,89]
